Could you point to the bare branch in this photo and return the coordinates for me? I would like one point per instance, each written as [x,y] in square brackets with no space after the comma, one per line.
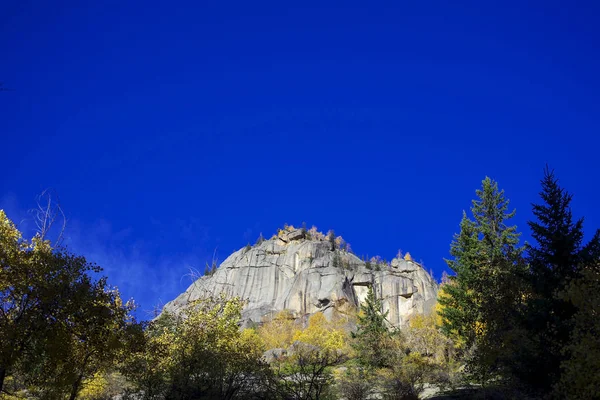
[48,213]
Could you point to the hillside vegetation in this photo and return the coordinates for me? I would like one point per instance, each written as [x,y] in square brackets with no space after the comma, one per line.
[514,320]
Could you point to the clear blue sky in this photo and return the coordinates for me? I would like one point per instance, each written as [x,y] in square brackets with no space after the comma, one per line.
[172,129]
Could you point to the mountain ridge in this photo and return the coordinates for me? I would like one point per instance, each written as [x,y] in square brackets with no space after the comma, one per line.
[305,271]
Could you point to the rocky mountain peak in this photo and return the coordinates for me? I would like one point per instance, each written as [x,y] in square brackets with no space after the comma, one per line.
[306,271]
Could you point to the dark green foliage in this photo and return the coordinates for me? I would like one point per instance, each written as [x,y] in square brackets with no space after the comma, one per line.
[331,238]
[459,311]
[556,260]
[579,370]
[486,293]
[373,339]
[337,260]
[558,254]
[59,324]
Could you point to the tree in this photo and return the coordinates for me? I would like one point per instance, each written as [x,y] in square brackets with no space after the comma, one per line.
[34,283]
[336,261]
[58,325]
[423,336]
[199,353]
[278,332]
[405,380]
[356,383]
[324,334]
[373,341]
[47,214]
[579,369]
[303,366]
[92,333]
[560,253]
[557,259]
[331,238]
[487,291]
[304,372]
[459,304]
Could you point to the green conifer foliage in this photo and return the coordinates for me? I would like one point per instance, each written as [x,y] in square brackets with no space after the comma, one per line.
[557,259]
[373,339]
[486,292]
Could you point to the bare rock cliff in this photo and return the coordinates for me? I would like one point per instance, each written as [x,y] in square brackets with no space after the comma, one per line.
[307,276]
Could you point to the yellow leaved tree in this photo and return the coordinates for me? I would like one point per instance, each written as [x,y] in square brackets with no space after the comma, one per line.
[324,334]
[60,325]
[199,353]
[279,331]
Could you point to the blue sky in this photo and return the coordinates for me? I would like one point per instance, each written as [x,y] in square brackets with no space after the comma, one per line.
[174,130]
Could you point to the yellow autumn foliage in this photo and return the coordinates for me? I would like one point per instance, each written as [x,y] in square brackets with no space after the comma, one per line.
[279,331]
[94,388]
[425,337]
[322,333]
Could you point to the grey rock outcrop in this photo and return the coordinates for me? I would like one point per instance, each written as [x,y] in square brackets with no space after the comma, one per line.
[305,276]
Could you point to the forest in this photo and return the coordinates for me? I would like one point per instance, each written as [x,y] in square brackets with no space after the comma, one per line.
[513,320]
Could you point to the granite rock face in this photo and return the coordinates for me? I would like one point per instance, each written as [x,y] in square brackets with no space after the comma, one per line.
[307,276]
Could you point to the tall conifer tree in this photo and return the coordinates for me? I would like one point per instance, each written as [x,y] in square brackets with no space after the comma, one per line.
[556,259]
[372,334]
[485,293]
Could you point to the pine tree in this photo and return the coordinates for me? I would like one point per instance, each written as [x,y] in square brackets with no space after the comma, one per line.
[460,314]
[556,257]
[331,237]
[372,337]
[337,260]
[486,292]
[556,260]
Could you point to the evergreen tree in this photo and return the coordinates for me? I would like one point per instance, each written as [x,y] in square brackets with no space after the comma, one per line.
[557,256]
[459,312]
[331,237]
[337,260]
[556,261]
[486,292]
[579,370]
[373,339]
